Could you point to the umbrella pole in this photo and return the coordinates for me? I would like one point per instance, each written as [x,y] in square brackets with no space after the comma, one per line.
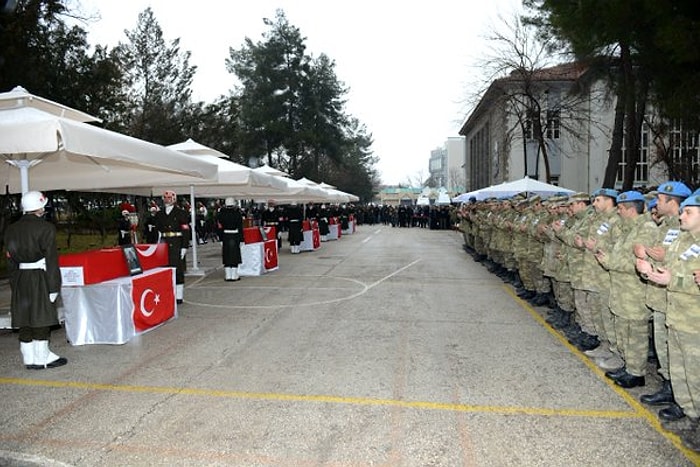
[24,165]
[194,271]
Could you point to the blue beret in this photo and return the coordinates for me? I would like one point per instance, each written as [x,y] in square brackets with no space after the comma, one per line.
[629,196]
[692,200]
[605,192]
[678,189]
[651,204]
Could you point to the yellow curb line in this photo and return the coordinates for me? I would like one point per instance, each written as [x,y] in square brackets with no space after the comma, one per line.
[638,408]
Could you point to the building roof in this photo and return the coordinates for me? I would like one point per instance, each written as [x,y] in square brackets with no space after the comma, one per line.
[564,72]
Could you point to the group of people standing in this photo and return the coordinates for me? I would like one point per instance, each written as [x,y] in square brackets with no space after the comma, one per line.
[621,275]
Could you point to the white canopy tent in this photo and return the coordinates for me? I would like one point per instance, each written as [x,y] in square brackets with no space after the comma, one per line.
[45,151]
[333,195]
[231,179]
[524,185]
[266,169]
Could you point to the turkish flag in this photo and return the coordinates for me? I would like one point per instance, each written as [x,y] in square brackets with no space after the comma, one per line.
[270,250]
[153,295]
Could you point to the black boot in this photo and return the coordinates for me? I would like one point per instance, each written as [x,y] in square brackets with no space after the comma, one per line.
[671,413]
[517,283]
[540,299]
[662,397]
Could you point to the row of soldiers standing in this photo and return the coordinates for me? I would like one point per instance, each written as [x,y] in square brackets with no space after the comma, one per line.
[618,270]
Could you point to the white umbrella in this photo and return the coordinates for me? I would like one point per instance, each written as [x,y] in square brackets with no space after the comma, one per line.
[334,195]
[526,184]
[231,179]
[266,169]
[20,97]
[194,148]
[64,154]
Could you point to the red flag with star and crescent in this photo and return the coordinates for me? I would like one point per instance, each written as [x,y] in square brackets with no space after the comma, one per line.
[270,252]
[153,295]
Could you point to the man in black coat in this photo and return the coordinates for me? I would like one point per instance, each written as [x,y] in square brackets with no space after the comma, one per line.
[35,280]
[231,221]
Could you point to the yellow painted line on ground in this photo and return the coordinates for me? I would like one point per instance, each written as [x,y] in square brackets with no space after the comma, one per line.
[639,409]
[359,401]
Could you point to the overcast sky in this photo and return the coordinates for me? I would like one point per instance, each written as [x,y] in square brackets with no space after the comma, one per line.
[409,66]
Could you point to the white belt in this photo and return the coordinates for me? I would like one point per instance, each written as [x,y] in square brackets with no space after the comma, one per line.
[41,264]
[231,231]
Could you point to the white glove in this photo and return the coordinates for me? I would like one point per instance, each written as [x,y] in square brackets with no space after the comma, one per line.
[183,252]
[53,296]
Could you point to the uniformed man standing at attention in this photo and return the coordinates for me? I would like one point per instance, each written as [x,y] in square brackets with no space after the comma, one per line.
[150,230]
[35,280]
[296,233]
[231,221]
[124,228]
[270,217]
[173,224]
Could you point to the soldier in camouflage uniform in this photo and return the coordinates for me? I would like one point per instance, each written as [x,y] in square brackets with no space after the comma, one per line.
[593,295]
[670,196]
[680,274]
[520,249]
[571,258]
[627,292]
[554,269]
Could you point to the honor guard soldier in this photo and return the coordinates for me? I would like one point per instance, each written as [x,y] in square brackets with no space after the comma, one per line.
[231,221]
[173,224]
[296,235]
[35,280]
[270,217]
[150,230]
[124,227]
[323,228]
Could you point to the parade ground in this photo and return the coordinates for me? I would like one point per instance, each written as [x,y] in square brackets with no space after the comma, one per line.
[388,347]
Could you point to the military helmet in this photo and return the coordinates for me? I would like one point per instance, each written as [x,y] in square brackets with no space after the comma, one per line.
[33,201]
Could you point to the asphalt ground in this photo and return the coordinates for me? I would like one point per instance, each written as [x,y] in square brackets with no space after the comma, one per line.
[389,347]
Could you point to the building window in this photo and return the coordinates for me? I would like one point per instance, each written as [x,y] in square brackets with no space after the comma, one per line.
[641,172]
[685,151]
[553,124]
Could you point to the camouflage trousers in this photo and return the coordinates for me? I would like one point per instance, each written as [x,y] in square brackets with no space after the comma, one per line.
[632,337]
[479,244]
[595,316]
[587,304]
[661,341]
[564,294]
[684,366]
[530,275]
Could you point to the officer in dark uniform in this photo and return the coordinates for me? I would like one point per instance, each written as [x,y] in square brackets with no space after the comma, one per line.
[231,221]
[296,234]
[323,228]
[344,218]
[35,280]
[270,217]
[173,224]
[201,221]
[150,230]
[124,229]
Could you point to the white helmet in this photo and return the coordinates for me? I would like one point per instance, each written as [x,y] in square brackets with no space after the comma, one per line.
[229,202]
[33,201]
